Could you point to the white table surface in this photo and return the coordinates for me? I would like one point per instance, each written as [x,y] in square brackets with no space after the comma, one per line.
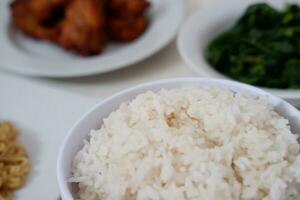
[43,115]
[165,64]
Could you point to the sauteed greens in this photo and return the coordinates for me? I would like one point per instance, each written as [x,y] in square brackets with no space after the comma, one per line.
[262,48]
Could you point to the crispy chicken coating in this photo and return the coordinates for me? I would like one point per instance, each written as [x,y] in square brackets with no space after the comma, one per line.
[82,30]
[81,26]
[76,25]
[126,19]
[125,30]
[127,8]
[37,18]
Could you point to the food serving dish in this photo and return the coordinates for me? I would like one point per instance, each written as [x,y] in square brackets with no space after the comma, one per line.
[24,55]
[207,23]
[91,120]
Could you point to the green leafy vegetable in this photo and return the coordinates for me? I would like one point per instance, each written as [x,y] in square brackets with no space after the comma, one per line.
[262,48]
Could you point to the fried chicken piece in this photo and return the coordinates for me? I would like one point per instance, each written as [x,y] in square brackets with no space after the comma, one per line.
[81,25]
[37,18]
[127,8]
[126,19]
[83,28]
[125,30]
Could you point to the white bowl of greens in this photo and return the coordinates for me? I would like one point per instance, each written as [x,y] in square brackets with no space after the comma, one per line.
[219,19]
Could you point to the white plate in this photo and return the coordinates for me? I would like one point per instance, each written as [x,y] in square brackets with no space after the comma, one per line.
[30,57]
[43,116]
[209,21]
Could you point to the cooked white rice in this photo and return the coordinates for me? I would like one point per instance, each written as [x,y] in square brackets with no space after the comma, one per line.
[190,143]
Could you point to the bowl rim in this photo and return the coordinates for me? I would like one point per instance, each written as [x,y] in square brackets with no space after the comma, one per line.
[209,70]
[184,81]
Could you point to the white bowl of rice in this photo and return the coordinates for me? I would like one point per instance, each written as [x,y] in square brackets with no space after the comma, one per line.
[188,138]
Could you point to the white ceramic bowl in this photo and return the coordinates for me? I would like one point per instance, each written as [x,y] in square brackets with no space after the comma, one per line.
[208,22]
[92,119]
